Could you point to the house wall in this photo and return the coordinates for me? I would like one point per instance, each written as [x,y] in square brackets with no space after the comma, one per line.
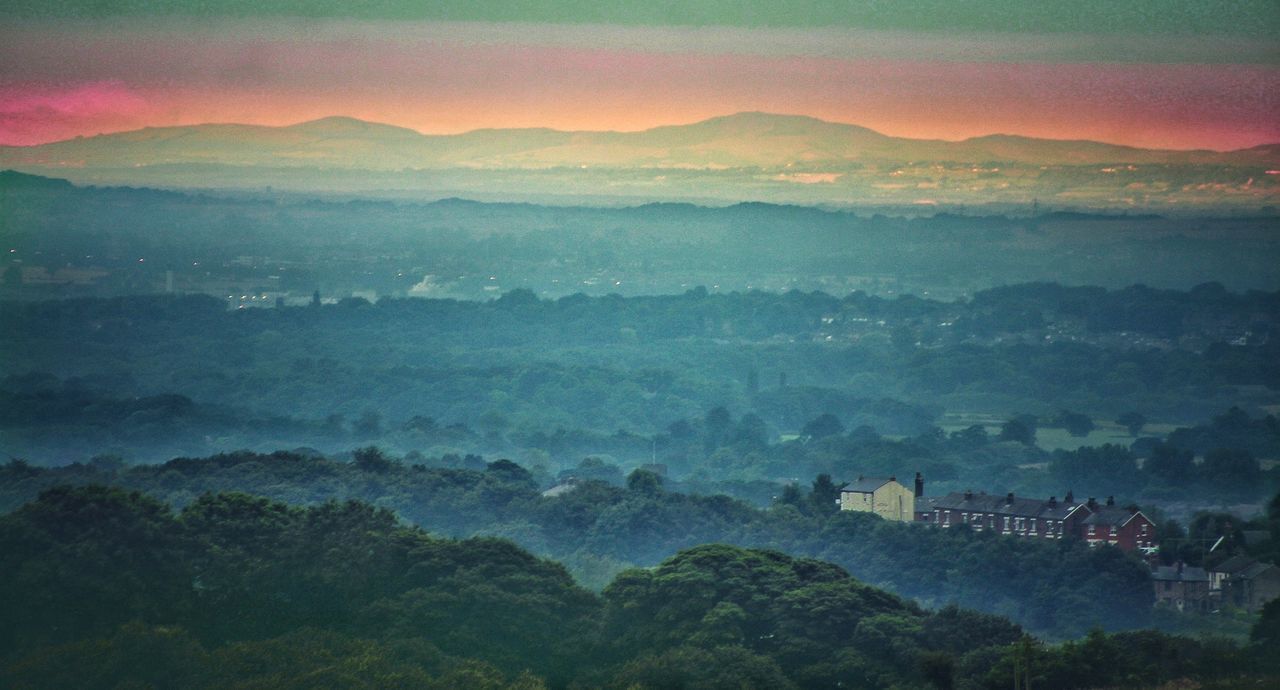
[892,501]
[1254,593]
[1127,538]
[1018,525]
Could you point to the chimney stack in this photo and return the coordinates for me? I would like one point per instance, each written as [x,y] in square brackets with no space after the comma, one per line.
[1111,501]
[1053,501]
[968,494]
[1071,497]
[919,485]
[1092,503]
[1008,499]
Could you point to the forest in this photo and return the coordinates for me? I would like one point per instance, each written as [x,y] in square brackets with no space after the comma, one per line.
[467,445]
[598,529]
[106,588]
[1033,388]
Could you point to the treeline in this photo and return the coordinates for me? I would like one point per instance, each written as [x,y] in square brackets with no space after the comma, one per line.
[598,529]
[597,366]
[1215,463]
[103,588]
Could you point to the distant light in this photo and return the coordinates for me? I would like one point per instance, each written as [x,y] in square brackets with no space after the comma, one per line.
[11,251]
[141,260]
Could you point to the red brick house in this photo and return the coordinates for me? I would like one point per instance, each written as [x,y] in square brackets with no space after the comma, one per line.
[1126,528]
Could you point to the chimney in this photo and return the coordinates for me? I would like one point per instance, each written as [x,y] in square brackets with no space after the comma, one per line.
[893,477]
[1092,503]
[1053,501]
[1111,501]
[919,485]
[968,494]
[1070,498]
[859,477]
[1008,499]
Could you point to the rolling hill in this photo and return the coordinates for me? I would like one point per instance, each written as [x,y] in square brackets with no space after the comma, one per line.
[755,140]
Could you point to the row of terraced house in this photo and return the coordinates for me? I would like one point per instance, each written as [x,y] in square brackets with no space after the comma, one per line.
[1096,523]
[1238,582]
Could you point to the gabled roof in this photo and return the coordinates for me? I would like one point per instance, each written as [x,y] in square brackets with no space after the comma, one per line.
[1255,570]
[925,504]
[1003,505]
[1169,573]
[866,485]
[1110,516]
[1233,565]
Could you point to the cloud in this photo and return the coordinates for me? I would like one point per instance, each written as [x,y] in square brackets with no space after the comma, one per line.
[453,77]
[31,113]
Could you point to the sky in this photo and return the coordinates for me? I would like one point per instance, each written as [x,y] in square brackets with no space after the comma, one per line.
[1151,73]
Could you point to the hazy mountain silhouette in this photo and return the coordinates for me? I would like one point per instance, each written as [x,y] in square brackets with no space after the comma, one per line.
[733,141]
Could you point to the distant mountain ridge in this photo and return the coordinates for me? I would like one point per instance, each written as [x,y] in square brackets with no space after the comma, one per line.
[742,140]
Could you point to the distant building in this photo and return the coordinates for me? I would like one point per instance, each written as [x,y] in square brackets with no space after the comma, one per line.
[1025,517]
[884,497]
[1219,573]
[1182,587]
[1126,528]
[1245,583]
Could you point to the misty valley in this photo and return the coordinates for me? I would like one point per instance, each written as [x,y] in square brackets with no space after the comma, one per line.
[265,438]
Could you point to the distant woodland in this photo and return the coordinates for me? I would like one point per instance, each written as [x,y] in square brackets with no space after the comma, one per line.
[1034,388]
[252,440]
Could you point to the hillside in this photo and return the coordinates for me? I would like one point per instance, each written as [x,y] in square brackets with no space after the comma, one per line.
[741,140]
[104,588]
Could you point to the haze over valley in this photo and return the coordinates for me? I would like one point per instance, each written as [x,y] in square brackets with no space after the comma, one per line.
[721,345]
[742,157]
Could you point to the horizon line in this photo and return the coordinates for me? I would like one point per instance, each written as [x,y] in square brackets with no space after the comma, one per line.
[631,131]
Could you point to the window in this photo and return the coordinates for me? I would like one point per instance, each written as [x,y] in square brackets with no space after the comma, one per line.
[1113,531]
[1006,523]
[1092,530]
